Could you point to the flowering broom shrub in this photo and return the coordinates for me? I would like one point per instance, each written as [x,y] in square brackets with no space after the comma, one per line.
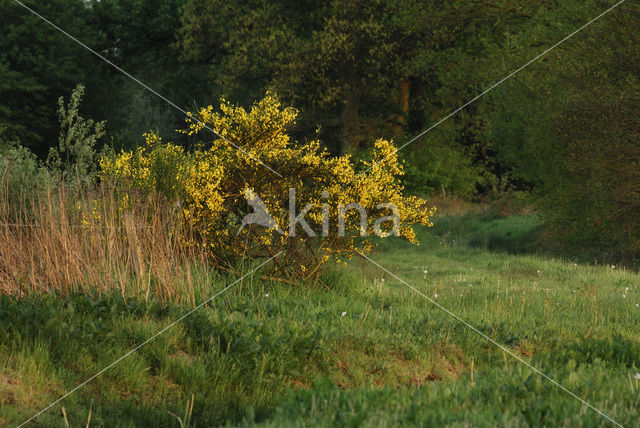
[211,185]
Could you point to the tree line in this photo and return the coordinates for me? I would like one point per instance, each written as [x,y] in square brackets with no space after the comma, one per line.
[565,129]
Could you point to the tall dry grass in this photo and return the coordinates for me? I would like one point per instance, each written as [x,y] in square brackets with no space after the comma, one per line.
[91,242]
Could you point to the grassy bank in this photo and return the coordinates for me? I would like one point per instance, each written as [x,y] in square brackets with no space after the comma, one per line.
[368,350]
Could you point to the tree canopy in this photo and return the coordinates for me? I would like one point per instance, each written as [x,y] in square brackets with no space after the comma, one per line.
[565,126]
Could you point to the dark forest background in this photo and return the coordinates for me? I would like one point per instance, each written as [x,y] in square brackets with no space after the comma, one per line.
[564,132]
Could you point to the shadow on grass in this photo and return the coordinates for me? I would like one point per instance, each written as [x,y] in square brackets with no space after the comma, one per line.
[516,234]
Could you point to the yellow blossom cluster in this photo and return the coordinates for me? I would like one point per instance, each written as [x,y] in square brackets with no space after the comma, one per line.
[210,185]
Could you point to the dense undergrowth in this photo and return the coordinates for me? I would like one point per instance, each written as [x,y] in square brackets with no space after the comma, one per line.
[95,223]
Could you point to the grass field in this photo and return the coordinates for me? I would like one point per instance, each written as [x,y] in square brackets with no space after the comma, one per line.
[368,350]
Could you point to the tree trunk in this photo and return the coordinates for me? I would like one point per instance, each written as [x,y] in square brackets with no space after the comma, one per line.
[350,123]
[401,98]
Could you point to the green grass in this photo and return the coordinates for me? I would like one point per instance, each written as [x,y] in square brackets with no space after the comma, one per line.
[514,234]
[291,358]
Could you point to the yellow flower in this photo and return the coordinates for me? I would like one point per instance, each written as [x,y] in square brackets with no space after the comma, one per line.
[208,185]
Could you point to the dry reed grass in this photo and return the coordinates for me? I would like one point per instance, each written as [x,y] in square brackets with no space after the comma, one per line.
[61,241]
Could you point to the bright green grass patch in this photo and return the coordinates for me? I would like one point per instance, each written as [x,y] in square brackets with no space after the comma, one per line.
[272,354]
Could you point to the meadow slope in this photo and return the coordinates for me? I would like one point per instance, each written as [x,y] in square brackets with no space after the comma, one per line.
[366,351]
